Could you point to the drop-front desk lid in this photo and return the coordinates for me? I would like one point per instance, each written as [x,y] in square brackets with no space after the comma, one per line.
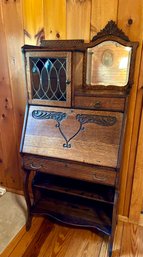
[81,135]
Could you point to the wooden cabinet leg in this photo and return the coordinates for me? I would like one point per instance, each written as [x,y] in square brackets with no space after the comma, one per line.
[110,246]
[28,222]
[110,250]
[27,199]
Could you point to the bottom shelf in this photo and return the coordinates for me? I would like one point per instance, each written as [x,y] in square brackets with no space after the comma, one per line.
[73,211]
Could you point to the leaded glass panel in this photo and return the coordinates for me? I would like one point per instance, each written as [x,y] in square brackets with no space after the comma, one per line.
[48,78]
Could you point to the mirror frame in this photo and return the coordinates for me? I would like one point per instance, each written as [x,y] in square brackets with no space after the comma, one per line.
[111,33]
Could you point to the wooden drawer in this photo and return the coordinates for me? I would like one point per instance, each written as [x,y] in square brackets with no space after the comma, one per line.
[108,103]
[72,170]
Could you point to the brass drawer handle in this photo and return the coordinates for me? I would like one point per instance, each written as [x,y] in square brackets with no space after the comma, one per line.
[35,167]
[97,104]
[95,176]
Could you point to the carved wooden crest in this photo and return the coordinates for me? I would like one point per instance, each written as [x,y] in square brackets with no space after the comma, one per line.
[111,29]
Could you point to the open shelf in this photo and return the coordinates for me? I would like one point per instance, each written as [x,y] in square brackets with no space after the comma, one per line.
[73,210]
[82,189]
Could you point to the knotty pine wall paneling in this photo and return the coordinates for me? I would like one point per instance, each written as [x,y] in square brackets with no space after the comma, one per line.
[55,19]
[2,170]
[137,189]
[78,15]
[10,175]
[13,27]
[101,12]
[33,21]
[130,17]
[14,40]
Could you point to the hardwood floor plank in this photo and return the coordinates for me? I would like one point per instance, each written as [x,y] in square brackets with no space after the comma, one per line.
[104,248]
[57,242]
[39,239]
[132,241]
[84,243]
[14,243]
[65,242]
[28,243]
[140,242]
[118,239]
[46,239]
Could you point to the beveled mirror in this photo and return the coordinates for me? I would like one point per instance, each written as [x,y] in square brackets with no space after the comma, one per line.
[109,59]
[108,64]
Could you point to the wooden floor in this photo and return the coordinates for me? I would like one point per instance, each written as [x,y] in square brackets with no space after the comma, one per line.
[47,239]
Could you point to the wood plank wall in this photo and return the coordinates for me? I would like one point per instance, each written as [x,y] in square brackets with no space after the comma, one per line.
[26,22]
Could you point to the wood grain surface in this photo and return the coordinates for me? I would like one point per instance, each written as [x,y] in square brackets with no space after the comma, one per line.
[9,151]
[46,239]
[54,16]
[78,19]
[33,23]
[100,103]
[129,20]
[100,16]
[26,22]
[68,169]
[42,137]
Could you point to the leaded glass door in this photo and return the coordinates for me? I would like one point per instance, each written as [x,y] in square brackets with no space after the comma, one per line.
[49,78]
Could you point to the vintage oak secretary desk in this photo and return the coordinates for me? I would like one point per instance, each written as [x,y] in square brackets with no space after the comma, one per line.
[74,127]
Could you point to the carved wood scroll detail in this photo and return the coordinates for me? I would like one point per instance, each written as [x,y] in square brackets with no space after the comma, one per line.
[98,119]
[111,29]
[81,118]
[42,115]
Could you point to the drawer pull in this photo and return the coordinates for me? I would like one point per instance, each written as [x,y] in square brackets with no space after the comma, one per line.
[35,167]
[95,176]
[68,82]
[97,104]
